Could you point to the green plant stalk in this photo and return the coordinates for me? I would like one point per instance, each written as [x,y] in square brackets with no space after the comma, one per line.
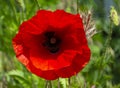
[107,44]
[48,84]
[58,83]
[77,6]
[69,83]
[108,39]
[37,3]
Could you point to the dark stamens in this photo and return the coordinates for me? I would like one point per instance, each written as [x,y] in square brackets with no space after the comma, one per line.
[52,42]
[49,34]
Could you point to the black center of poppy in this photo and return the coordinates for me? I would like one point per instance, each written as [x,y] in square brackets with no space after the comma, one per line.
[52,42]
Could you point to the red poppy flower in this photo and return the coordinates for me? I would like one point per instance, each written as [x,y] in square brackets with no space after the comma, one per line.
[52,44]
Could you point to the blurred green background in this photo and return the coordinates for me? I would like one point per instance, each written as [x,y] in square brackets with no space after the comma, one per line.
[103,71]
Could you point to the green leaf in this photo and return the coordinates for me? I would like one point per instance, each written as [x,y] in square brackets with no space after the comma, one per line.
[18,75]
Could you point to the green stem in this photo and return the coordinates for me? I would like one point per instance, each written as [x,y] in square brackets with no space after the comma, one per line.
[58,83]
[48,84]
[110,35]
[107,44]
[36,1]
[109,38]
[69,83]
[77,6]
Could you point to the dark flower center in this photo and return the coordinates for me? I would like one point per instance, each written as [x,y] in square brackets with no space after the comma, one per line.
[52,42]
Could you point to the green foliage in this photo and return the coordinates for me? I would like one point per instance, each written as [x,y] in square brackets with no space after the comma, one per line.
[103,68]
[63,82]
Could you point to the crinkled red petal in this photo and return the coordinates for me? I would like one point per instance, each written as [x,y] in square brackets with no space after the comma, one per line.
[48,74]
[20,50]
